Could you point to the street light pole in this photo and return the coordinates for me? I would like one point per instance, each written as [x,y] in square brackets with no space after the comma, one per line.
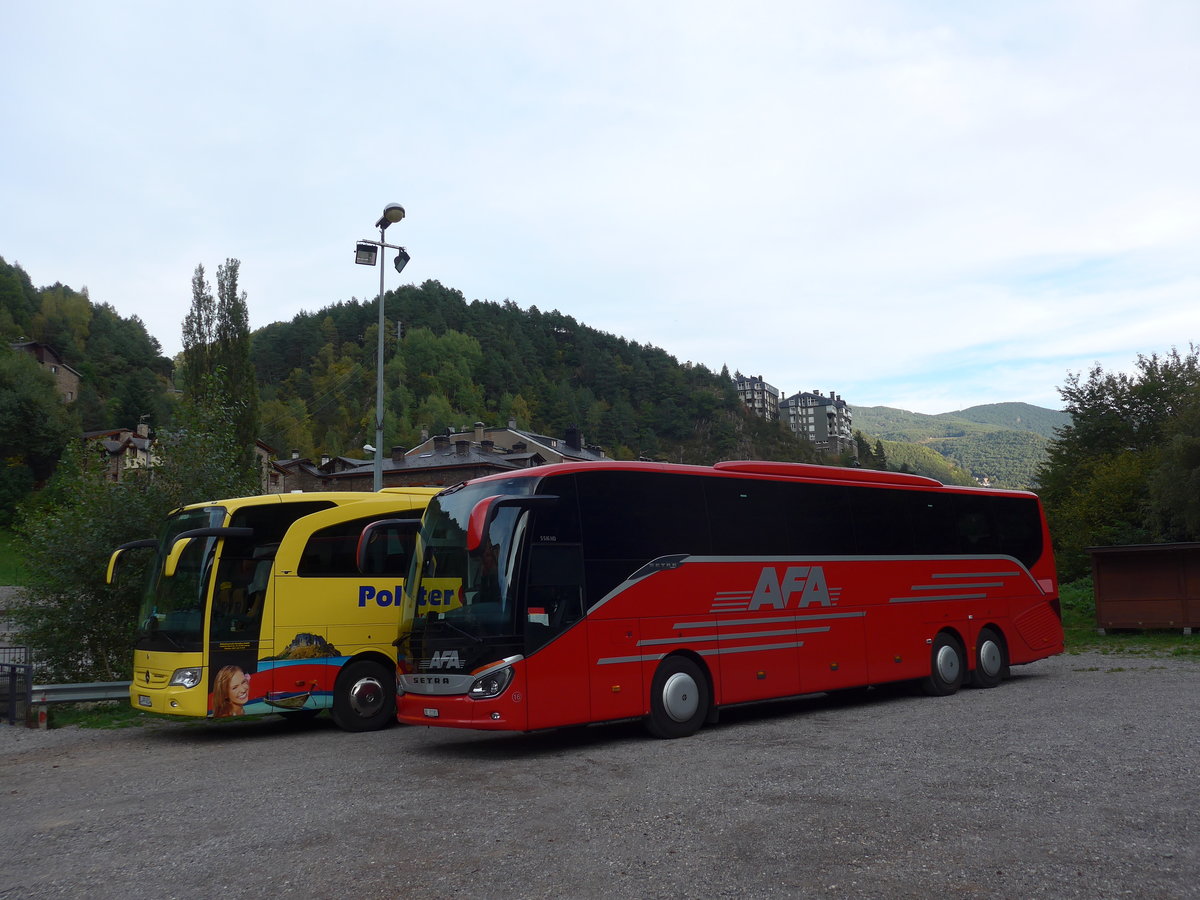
[365,255]
[377,480]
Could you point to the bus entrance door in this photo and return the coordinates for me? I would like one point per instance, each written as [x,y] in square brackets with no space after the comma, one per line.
[235,627]
[555,641]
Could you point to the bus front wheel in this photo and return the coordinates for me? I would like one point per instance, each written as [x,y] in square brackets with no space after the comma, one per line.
[364,697]
[946,667]
[678,698]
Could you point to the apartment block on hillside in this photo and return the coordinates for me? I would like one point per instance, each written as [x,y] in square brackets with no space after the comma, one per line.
[825,420]
[761,397]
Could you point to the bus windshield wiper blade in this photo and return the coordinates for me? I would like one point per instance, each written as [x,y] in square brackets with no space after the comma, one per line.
[461,631]
[151,630]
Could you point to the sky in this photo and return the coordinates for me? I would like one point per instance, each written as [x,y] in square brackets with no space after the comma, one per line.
[923,205]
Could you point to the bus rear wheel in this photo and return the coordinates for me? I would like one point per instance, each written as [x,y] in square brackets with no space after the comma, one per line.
[946,667]
[679,699]
[990,661]
[364,697]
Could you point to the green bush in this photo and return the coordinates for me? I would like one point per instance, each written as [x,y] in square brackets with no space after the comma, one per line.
[12,568]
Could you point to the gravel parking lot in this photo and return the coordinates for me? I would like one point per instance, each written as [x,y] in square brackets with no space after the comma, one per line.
[1075,778]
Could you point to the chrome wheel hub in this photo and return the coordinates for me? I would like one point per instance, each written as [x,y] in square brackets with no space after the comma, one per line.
[990,658]
[947,664]
[366,697]
[681,697]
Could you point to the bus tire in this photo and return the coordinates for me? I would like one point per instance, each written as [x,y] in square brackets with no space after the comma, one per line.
[679,698]
[364,697]
[947,664]
[990,660]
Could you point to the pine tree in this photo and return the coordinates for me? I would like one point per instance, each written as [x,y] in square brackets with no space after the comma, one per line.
[881,461]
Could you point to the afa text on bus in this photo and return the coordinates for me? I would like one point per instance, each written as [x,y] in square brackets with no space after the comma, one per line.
[593,592]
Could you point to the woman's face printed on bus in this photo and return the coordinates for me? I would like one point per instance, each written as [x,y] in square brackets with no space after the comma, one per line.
[239,688]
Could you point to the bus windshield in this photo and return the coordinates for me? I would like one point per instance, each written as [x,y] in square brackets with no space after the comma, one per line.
[454,593]
[172,610]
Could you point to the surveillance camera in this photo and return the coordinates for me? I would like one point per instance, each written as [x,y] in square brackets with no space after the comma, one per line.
[368,448]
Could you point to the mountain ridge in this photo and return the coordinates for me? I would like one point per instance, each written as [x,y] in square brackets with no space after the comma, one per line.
[995,444]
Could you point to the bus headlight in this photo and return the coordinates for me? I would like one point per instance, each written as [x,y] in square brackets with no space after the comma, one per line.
[485,687]
[187,678]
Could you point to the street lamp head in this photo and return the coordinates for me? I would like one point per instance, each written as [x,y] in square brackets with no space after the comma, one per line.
[402,259]
[392,213]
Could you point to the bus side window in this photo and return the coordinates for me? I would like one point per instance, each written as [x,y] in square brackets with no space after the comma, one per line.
[554,597]
[934,523]
[882,521]
[332,552]
[749,518]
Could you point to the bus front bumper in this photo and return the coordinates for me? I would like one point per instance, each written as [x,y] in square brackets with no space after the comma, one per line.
[151,690]
[503,713]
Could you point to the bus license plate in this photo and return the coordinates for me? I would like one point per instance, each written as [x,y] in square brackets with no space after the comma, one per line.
[430,713]
[143,700]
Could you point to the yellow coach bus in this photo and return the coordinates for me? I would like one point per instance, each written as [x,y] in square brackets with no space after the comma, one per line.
[258,605]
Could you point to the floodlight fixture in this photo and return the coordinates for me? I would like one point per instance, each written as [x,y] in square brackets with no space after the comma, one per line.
[364,254]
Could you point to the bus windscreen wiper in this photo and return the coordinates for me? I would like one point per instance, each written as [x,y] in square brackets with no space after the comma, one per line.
[150,629]
[462,631]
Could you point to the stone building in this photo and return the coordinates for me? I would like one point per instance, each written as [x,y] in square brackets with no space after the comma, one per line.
[66,378]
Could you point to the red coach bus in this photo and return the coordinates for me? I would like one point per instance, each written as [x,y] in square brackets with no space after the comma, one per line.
[592,592]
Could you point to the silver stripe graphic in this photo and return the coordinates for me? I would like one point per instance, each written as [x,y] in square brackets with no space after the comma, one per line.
[717,651]
[748,635]
[722,651]
[942,587]
[613,660]
[935,599]
[976,575]
[771,620]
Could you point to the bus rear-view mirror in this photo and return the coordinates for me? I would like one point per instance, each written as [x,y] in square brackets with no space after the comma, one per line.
[114,561]
[485,513]
[401,530]
[186,537]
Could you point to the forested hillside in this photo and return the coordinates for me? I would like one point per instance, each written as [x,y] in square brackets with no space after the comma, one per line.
[126,379]
[1000,444]
[921,459]
[450,363]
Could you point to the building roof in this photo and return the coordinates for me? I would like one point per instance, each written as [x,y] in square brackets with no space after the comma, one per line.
[43,353]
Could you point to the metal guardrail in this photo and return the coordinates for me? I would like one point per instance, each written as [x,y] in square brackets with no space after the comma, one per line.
[79,693]
[27,703]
